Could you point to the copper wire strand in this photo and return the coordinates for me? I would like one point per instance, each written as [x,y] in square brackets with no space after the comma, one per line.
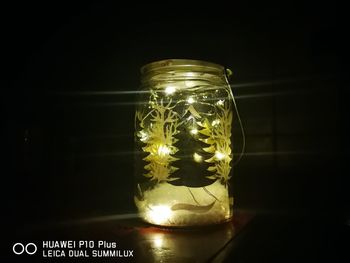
[226,71]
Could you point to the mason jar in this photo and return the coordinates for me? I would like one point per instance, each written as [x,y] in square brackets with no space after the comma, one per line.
[183,144]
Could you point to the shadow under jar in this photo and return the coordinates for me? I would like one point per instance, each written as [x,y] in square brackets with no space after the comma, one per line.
[183,144]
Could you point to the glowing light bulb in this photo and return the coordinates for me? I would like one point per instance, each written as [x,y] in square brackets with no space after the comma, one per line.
[143,136]
[220,102]
[197,158]
[194,131]
[163,150]
[215,122]
[159,214]
[190,100]
[219,155]
[170,90]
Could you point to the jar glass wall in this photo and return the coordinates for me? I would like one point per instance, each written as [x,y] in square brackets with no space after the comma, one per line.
[183,144]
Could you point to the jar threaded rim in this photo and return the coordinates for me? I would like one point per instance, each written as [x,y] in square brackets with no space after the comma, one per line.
[180,63]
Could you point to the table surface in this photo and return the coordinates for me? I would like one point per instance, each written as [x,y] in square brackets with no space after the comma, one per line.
[249,237]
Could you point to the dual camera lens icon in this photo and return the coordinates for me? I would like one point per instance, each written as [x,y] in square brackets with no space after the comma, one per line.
[20,248]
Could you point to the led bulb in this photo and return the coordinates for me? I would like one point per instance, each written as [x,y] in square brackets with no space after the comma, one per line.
[163,150]
[159,214]
[219,155]
[194,131]
[220,103]
[170,90]
[197,158]
[143,136]
[190,100]
[215,122]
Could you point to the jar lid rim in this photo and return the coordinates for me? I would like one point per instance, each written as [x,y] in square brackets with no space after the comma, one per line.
[180,63]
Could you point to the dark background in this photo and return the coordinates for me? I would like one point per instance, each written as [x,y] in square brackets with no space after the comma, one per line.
[68,130]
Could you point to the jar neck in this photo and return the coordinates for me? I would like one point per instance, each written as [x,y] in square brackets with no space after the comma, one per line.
[182,70]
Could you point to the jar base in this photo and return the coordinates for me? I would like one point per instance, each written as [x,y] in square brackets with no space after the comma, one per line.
[187,206]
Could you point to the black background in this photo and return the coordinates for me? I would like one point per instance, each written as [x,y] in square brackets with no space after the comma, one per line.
[68,135]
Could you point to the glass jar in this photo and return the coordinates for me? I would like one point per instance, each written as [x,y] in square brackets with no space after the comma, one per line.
[183,144]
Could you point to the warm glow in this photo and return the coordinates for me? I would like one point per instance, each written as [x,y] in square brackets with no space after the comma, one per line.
[170,90]
[197,158]
[158,241]
[183,148]
[220,103]
[189,74]
[190,100]
[219,155]
[215,122]
[143,136]
[194,131]
[159,214]
[163,150]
